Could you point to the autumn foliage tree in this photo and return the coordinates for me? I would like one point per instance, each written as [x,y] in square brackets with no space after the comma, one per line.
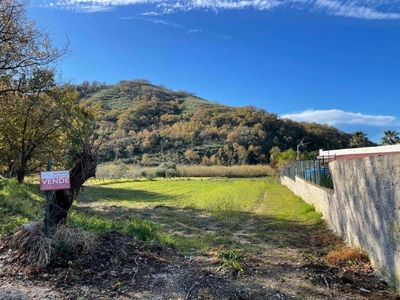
[23,48]
[40,118]
[31,106]
[34,127]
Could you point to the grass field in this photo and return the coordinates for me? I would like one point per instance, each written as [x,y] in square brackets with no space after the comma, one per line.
[200,213]
[205,230]
[205,214]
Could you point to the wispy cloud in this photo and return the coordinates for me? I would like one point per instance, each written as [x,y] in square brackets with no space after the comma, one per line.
[354,9]
[364,9]
[337,117]
[151,20]
[194,30]
[151,13]
[93,9]
[166,11]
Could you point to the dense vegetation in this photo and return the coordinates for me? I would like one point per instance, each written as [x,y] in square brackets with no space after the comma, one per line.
[139,122]
[40,118]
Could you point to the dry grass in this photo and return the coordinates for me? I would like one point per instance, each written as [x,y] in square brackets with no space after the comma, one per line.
[344,256]
[73,237]
[36,249]
[225,171]
[33,245]
[329,240]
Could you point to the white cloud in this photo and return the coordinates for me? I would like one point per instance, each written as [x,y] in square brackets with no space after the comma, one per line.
[151,13]
[93,9]
[157,21]
[194,30]
[354,10]
[364,9]
[166,11]
[151,20]
[337,117]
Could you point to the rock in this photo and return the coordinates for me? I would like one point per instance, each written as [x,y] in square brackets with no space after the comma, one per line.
[29,226]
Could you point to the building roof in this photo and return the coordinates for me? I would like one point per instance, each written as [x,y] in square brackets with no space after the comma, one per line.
[352,153]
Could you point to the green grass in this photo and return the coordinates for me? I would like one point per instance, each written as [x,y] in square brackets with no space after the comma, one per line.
[19,204]
[206,214]
[201,213]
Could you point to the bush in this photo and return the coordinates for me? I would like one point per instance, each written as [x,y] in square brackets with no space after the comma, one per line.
[166,169]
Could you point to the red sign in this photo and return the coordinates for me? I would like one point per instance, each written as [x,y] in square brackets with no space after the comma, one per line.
[54,180]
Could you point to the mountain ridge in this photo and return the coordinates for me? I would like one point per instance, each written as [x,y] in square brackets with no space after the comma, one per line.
[140,122]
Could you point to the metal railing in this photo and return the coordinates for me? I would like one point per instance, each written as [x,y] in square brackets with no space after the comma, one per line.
[315,171]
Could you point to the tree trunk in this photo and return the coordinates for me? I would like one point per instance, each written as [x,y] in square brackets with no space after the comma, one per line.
[20,176]
[62,200]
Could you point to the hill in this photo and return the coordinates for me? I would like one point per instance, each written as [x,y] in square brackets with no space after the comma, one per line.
[144,123]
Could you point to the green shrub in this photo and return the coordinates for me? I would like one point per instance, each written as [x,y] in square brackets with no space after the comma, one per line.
[231,258]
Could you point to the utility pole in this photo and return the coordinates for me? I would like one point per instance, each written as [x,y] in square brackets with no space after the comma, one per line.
[298,148]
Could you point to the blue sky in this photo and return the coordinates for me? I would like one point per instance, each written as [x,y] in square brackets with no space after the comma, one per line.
[326,61]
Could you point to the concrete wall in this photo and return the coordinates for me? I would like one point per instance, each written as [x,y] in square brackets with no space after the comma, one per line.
[364,208]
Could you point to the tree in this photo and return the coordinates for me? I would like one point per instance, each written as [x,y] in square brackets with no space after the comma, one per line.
[38,119]
[83,158]
[358,139]
[23,48]
[35,127]
[308,155]
[192,156]
[391,137]
[286,157]
[274,154]
[33,111]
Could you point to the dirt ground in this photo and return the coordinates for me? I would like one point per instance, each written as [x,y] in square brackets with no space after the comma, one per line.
[291,266]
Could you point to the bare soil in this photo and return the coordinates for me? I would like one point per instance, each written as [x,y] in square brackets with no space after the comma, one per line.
[282,263]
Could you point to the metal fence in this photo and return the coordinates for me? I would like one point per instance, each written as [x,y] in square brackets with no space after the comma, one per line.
[315,171]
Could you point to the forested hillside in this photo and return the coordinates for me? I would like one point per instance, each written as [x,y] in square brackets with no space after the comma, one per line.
[143,123]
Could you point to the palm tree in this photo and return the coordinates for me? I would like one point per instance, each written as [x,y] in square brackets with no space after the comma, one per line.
[358,139]
[391,137]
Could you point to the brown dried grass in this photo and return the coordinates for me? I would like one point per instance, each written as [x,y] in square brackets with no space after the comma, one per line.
[36,249]
[328,239]
[225,171]
[344,256]
[73,237]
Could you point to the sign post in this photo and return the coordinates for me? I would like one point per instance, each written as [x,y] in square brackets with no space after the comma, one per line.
[51,181]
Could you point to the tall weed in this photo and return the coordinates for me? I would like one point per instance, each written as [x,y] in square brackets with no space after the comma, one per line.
[225,171]
[167,169]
